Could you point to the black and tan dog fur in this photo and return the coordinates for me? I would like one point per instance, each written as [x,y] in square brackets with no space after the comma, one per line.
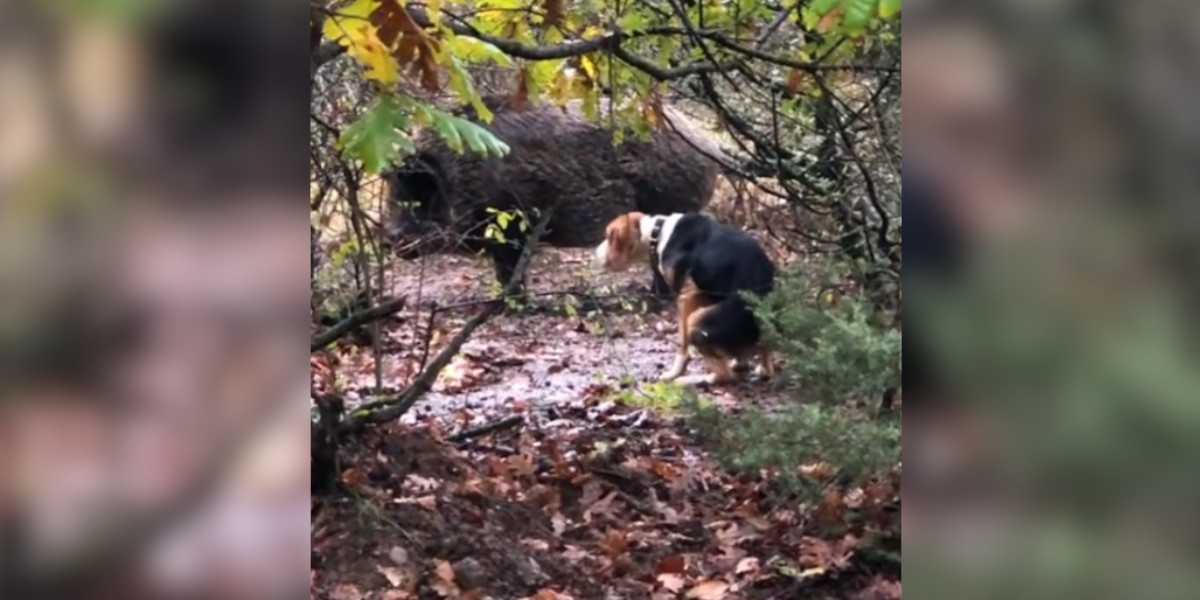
[707,265]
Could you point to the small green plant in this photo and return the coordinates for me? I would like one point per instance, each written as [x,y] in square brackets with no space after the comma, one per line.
[836,345]
[661,396]
[499,230]
[847,446]
[570,306]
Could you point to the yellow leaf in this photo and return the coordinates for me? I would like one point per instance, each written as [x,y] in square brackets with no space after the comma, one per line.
[592,32]
[813,572]
[568,85]
[589,67]
[435,12]
[543,75]
[338,26]
[366,46]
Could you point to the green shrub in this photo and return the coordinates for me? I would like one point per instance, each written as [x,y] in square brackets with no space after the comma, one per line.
[854,446]
[836,346]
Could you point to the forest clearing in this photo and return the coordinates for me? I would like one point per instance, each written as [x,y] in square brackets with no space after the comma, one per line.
[498,416]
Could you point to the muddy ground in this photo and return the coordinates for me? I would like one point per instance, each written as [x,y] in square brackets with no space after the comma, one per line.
[577,328]
[584,497]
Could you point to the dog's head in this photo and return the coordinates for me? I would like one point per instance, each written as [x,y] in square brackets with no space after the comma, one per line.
[622,243]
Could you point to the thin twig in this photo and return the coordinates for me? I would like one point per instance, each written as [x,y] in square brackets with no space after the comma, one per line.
[508,423]
[433,311]
[391,407]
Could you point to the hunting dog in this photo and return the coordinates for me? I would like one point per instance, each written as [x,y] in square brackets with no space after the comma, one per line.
[706,265]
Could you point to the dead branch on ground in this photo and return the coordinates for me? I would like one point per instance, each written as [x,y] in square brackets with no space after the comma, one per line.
[361,317]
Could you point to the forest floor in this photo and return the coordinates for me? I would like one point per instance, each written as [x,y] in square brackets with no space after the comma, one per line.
[583,494]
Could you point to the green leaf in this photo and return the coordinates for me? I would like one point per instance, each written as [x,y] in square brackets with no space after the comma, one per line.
[858,14]
[476,51]
[889,8]
[822,7]
[460,133]
[460,80]
[810,18]
[449,133]
[633,22]
[479,139]
[378,137]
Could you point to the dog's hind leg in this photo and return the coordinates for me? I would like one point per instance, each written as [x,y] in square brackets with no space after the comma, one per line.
[719,367]
[766,367]
[717,361]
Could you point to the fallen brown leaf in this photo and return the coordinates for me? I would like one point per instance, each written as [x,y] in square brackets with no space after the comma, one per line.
[747,565]
[444,570]
[831,510]
[354,477]
[346,591]
[671,582]
[614,543]
[882,589]
[549,594]
[394,575]
[708,590]
[676,563]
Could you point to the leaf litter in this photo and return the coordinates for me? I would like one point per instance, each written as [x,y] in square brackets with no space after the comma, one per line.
[588,498]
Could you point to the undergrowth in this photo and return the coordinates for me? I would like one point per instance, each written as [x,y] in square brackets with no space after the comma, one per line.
[837,346]
[804,448]
[841,355]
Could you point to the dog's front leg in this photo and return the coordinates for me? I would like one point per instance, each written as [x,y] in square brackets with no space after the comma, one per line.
[677,369]
[681,359]
[686,305]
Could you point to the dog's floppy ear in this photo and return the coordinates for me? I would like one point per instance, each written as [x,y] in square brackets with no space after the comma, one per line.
[612,234]
[621,239]
[625,235]
[631,232]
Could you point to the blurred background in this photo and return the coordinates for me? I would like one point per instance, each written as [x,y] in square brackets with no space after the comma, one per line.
[1052,429]
[153,291]
[152,297]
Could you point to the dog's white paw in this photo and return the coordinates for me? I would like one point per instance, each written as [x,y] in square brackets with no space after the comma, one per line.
[671,375]
[698,380]
[676,369]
